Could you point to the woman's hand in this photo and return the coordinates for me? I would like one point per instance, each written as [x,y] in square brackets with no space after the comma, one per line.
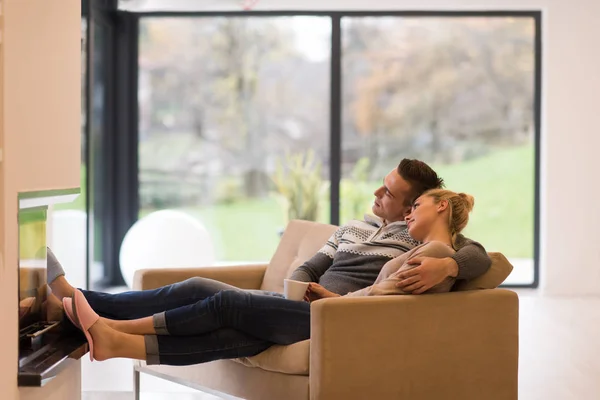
[316,292]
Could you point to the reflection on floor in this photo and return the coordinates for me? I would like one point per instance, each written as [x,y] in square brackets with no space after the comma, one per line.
[117,383]
[145,396]
[559,350]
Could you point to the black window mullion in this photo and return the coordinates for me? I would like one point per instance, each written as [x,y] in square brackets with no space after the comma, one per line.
[537,109]
[87,152]
[116,200]
[124,180]
[335,155]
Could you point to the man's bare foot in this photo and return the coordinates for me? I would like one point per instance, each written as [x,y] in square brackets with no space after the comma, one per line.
[61,287]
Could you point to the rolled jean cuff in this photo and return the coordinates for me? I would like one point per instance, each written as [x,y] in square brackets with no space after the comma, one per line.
[152,357]
[160,323]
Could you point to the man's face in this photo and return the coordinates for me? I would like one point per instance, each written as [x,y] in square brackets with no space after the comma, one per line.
[392,199]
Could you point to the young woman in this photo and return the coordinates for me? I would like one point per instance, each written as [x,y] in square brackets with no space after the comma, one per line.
[236,323]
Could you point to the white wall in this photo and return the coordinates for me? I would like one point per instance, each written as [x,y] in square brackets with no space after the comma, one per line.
[40,100]
[570,244]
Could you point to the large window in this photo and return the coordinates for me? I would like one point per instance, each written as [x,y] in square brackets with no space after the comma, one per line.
[238,115]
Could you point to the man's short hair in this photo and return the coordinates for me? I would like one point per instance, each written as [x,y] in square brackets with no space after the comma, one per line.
[420,176]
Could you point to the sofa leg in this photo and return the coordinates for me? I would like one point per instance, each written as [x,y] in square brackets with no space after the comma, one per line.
[136,384]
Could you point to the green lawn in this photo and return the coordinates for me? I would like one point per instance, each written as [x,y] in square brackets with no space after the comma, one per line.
[503,184]
[246,230]
[502,220]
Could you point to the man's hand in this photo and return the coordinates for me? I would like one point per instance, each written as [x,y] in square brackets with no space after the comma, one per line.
[316,292]
[430,272]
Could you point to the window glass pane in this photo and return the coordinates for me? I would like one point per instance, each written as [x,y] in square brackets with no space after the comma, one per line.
[68,228]
[224,102]
[458,94]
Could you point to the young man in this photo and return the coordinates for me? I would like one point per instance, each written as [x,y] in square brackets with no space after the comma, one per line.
[353,256]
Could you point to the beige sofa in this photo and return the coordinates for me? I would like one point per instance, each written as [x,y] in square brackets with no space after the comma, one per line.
[459,345]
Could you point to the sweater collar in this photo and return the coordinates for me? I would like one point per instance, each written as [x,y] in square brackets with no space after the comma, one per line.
[378,222]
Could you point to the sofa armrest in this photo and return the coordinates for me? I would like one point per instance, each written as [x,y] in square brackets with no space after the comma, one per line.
[464,345]
[243,276]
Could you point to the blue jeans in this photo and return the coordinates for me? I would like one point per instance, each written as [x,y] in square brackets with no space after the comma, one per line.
[201,320]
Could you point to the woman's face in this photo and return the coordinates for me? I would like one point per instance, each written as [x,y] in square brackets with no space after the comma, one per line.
[422,216]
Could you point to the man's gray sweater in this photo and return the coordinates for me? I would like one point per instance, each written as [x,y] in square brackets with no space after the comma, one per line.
[354,255]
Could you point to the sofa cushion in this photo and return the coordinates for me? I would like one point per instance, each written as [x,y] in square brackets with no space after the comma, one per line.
[301,240]
[292,359]
[497,273]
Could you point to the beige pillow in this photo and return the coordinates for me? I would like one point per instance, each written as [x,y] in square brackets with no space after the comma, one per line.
[497,273]
[292,359]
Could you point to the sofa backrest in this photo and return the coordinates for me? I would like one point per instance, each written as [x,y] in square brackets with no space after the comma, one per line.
[300,241]
[303,239]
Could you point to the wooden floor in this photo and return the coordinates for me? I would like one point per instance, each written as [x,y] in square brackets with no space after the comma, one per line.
[559,357]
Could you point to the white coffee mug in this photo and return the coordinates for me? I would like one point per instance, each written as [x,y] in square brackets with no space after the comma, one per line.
[294,290]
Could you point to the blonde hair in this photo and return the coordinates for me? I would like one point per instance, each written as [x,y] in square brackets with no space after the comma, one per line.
[460,205]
